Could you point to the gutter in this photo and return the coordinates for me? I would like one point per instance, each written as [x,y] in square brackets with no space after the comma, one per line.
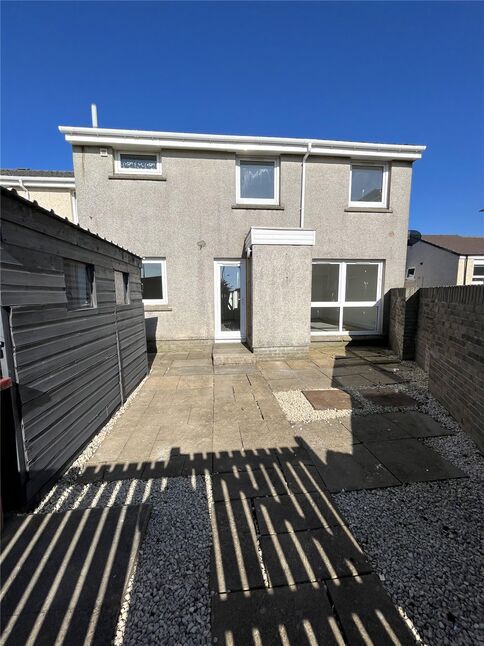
[24,188]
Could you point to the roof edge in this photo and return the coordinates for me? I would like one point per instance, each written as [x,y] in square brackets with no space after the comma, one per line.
[238,143]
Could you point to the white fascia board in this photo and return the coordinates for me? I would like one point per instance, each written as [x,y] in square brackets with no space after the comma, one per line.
[237,144]
[29,181]
[279,236]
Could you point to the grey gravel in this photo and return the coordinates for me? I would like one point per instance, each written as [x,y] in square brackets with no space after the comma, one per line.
[168,599]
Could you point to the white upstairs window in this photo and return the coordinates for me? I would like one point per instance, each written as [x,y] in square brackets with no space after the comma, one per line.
[137,163]
[257,181]
[369,185]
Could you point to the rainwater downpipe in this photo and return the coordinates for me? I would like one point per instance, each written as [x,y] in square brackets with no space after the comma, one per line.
[24,188]
[303,186]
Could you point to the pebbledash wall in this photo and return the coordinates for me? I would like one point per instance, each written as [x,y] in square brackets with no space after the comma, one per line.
[188,216]
[70,368]
[442,328]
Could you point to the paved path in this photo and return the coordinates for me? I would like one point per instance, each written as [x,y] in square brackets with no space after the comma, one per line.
[285,568]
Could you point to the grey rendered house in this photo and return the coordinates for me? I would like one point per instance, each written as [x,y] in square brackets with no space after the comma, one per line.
[441,260]
[268,240]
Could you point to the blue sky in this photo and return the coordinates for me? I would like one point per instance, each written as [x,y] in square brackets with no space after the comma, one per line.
[390,72]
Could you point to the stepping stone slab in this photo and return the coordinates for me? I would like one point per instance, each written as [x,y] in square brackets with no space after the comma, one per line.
[302,478]
[227,462]
[235,563]
[374,428]
[412,461]
[358,470]
[352,381]
[248,484]
[289,615]
[367,613]
[296,512]
[330,399]
[68,567]
[390,398]
[233,515]
[418,424]
[313,555]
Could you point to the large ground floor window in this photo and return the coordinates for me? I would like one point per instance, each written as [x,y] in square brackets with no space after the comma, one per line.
[346,297]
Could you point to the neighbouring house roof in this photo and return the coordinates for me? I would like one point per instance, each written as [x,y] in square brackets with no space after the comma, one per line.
[31,179]
[29,172]
[461,245]
[146,139]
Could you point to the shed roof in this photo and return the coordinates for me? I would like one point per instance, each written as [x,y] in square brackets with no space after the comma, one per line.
[29,172]
[461,245]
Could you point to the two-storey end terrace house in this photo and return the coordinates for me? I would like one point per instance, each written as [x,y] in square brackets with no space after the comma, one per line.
[271,240]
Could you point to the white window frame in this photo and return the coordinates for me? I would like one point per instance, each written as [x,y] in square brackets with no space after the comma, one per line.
[412,277]
[342,304]
[477,263]
[257,200]
[224,335]
[136,171]
[164,300]
[383,204]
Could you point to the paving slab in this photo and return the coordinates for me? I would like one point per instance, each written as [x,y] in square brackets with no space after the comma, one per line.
[312,555]
[389,398]
[367,613]
[57,576]
[302,477]
[359,469]
[235,562]
[331,399]
[351,381]
[229,461]
[248,484]
[171,468]
[330,434]
[188,371]
[412,461]
[418,424]
[232,515]
[289,615]
[375,428]
[295,512]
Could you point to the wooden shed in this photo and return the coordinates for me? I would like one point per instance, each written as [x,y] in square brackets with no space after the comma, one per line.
[73,340]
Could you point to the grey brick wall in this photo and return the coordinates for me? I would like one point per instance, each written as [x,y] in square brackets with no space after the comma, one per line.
[448,343]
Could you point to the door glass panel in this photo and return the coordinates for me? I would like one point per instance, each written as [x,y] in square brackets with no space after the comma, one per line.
[324,319]
[361,282]
[229,298]
[360,319]
[325,282]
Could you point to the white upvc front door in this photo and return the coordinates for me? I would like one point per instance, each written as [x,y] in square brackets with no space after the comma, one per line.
[229,292]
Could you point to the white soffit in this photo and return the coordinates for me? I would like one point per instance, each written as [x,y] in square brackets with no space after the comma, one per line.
[279,236]
[146,139]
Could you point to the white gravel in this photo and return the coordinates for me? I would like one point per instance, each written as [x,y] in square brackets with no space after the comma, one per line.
[168,598]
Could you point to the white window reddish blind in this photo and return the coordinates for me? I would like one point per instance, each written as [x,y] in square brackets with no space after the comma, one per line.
[369,185]
[346,297]
[137,163]
[257,181]
[153,281]
[79,279]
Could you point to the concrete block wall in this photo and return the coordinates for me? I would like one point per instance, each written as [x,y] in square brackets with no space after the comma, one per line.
[449,346]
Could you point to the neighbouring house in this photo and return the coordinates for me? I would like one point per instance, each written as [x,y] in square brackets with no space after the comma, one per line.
[441,260]
[52,189]
[271,240]
[73,341]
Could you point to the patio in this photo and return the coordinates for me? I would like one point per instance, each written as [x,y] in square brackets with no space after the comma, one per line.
[259,449]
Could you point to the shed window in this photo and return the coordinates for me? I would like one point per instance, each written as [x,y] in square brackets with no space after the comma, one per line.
[138,163]
[369,185]
[121,285]
[411,273]
[79,279]
[153,279]
[257,181]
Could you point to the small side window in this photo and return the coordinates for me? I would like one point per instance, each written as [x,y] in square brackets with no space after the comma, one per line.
[478,272]
[79,279]
[153,281]
[121,285]
[411,273]
[137,163]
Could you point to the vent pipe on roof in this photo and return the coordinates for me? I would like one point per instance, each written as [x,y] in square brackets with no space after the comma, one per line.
[94,115]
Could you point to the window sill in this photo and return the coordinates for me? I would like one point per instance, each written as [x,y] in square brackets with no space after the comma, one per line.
[258,207]
[157,308]
[151,178]
[367,209]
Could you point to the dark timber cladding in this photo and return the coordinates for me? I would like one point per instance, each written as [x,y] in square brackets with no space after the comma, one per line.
[75,347]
